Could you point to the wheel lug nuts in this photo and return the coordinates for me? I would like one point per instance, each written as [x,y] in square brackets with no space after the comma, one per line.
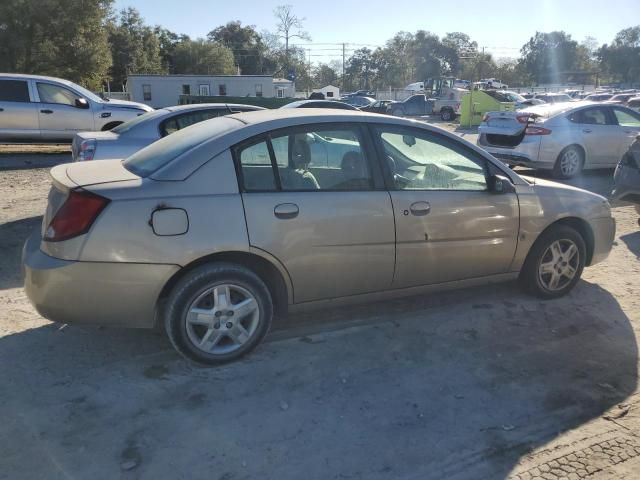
[229,324]
[218,314]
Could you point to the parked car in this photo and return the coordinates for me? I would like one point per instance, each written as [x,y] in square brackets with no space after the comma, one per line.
[129,137]
[627,177]
[553,97]
[565,138]
[379,106]
[269,224]
[320,104]
[634,104]
[357,101]
[518,100]
[621,98]
[51,109]
[493,83]
[362,93]
[420,105]
[598,97]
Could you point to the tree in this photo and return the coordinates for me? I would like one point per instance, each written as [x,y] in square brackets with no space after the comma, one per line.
[621,59]
[548,56]
[245,42]
[200,57]
[360,69]
[64,38]
[324,75]
[289,26]
[135,47]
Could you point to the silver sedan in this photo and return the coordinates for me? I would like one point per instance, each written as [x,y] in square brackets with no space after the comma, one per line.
[271,222]
[564,138]
[129,137]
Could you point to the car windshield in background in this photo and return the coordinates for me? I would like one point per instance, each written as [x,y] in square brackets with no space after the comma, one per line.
[150,159]
[503,96]
[126,126]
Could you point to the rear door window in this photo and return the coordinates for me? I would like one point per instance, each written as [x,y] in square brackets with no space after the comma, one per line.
[14,91]
[626,118]
[184,120]
[590,116]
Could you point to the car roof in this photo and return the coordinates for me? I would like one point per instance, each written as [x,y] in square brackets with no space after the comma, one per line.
[208,106]
[24,76]
[311,100]
[552,109]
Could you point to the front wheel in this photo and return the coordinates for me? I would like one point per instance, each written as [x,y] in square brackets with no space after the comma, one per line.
[555,262]
[217,313]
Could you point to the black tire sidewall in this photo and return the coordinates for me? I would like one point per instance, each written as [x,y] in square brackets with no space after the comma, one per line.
[529,276]
[194,284]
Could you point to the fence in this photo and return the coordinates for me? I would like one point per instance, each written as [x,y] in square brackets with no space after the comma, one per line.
[117,95]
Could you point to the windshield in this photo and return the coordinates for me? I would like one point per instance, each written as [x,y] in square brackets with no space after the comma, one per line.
[126,126]
[150,159]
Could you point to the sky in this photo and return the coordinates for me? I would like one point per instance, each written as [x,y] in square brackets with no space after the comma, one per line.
[501,27]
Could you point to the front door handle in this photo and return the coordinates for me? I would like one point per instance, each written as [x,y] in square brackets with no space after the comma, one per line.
[420,209]
[587,130]
[286,210]
[47,111]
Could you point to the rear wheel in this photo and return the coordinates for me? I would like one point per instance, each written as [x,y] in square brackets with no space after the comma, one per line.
[217,313]
[569,163]
[555,263]
[446,114]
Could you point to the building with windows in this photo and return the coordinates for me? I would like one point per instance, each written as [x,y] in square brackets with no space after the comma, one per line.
[164,90]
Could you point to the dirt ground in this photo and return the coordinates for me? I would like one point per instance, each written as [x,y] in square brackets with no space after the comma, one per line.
[482,383]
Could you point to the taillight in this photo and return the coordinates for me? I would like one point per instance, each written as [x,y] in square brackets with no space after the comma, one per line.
[76,216]
[87,150]
[485,119]
[537,131]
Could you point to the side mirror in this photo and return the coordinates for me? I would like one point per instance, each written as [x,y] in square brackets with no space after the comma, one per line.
[82,103]
[500,184]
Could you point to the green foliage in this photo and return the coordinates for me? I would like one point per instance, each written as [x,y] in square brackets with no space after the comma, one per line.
[621,59]
[547,57]
[64,38]
[249,51]
[200,57]
[324,75]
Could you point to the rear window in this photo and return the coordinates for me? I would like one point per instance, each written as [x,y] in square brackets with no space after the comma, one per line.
[14,91]
[150,159]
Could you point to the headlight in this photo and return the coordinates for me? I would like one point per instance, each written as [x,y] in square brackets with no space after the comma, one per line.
[87,150]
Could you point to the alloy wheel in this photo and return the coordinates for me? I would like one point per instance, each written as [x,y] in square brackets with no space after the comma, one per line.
[222,319]
[559,265]
[570,162]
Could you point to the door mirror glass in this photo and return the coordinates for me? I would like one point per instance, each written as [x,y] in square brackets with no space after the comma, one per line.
[409,140]
[82,103]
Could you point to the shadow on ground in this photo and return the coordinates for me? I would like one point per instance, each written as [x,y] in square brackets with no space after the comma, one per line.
[632,240]
[442,386]
[12,238]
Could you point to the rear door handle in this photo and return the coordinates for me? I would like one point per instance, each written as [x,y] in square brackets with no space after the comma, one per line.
[286,210]
[420,209]
[46,111]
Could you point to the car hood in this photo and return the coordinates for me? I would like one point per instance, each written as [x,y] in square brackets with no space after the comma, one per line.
[126,104]
[569,199]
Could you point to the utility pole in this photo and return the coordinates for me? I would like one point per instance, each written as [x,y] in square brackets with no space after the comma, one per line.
[344,88]
[309,86]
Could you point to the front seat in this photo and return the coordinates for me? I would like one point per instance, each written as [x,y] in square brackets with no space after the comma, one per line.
[355,173]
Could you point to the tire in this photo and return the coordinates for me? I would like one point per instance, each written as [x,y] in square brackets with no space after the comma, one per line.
[542,264]
[570,163]
[232,325]
[446,114]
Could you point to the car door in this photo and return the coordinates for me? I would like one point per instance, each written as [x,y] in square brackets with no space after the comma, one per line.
[18,115]
[594,129]
[333,233]
[628,128]
[59,113]
[449,226]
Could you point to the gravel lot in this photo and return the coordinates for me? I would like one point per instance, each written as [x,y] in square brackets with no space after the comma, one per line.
[480,383]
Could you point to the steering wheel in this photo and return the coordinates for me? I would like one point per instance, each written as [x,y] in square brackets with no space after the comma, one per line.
[398,179]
